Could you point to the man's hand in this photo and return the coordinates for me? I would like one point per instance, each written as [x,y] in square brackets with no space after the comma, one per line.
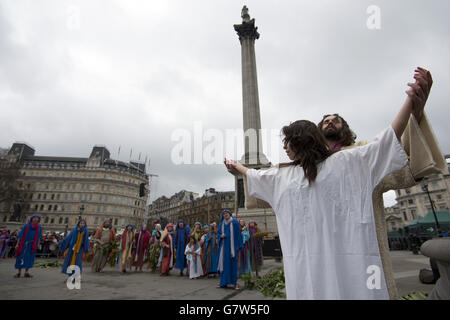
[223,236]
[420,91]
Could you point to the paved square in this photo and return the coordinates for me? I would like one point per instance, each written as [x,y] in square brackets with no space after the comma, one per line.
[50,283]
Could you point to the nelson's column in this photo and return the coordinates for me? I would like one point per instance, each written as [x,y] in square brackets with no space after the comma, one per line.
[253,156]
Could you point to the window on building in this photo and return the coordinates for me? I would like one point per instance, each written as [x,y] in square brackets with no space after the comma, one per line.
[49,207]
[53,196]
[115,221]
[408,191]
[57,196]
[413,214]
[56,207]
[60,220]
[96,220]
[66,220]
[42,207]
[45,196]
[411,201]
[66,196]
[46,220]
[404,215]
[439,196]
[63,208]
[52,220]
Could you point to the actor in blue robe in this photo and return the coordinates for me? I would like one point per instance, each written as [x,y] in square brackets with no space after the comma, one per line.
[28,242]
[230,242]
[212,251]
[76,242]
[181,239]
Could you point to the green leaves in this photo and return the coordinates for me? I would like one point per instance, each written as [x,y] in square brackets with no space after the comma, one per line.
[271,285]
[53,264]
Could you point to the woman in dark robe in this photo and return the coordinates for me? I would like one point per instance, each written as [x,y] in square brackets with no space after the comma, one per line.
[256,253]
[74,245]
[142,242]
[166,250]
[27,244]
[211,251]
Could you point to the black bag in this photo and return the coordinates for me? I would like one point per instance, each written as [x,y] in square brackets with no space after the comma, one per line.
[426,276]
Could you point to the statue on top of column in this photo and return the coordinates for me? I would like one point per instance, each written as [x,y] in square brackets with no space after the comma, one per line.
[244,14]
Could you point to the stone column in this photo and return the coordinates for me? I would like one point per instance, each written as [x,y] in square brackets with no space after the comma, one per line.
[248,33]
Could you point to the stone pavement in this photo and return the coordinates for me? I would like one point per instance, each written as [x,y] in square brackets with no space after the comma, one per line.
[49,284]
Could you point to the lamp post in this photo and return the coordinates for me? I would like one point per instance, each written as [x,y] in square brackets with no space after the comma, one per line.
[425,189]
[81,211]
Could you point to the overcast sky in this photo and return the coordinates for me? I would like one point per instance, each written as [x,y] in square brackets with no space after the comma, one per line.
[74,74]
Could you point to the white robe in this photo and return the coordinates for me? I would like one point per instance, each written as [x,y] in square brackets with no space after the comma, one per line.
[327,230]
[194,272]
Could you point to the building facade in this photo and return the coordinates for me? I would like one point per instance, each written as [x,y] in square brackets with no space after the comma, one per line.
[168,208]
[413,202]
[63,189]
[191,207]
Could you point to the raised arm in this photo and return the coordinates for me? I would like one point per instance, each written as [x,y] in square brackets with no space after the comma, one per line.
[235,167]
[415,101]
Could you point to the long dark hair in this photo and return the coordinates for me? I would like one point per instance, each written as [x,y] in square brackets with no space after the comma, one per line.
[346,136]
[308,144]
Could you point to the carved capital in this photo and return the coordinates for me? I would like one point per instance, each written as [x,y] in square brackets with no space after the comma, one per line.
[247,30]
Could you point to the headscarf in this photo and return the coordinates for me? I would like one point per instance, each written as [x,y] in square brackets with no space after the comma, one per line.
[156,229]
[166,232]
[253,230]
[224,222]
[36,226]
[198,224]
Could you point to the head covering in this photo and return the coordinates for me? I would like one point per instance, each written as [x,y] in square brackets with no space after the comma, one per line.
[228,211]
[205,227]
[112,232]
[35,215]
[156,229]
[255,229]
[167,233]
[129,225]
